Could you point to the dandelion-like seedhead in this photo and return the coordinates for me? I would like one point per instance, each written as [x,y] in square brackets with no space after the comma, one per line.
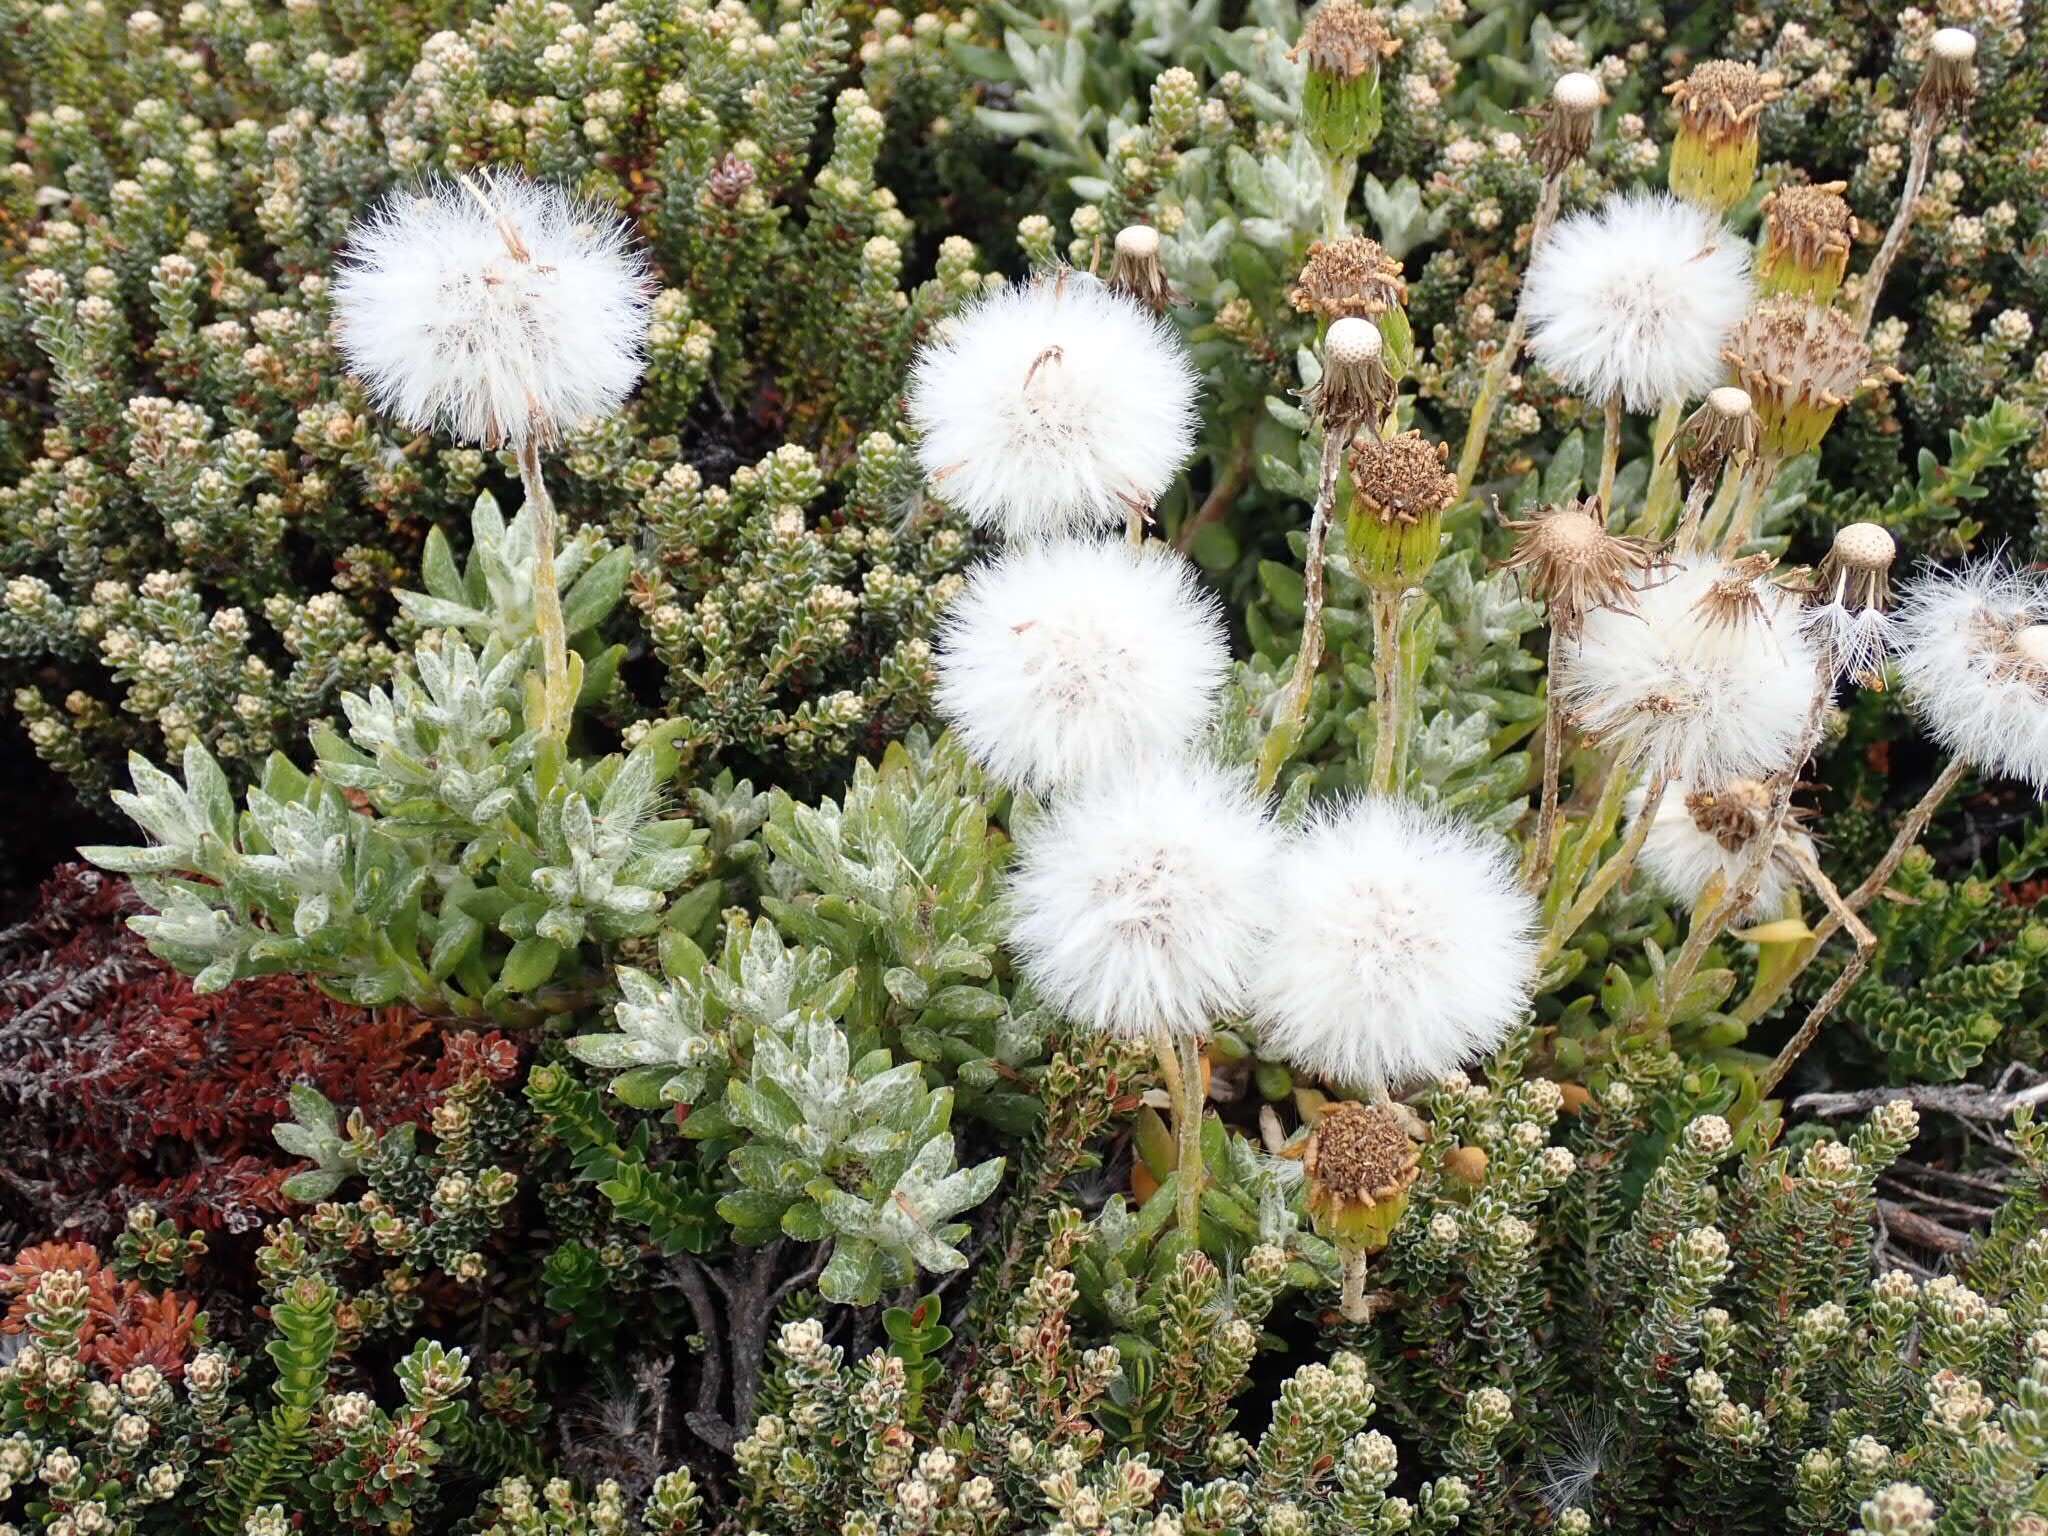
[1054,406]
[1400,945]
[1356,387]
[1722,431]
[1973,655]
[1709,678]
[1137,902]
[499,310]
[1564,124]
[1699,834]
[1637,299]
[1067,660]
[1351,276]
[1135,270]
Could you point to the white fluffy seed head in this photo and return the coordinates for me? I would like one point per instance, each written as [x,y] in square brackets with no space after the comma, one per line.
[1053,406]
[1135,903]
[1975,665]
[1637,299]
[1069,660]
[1681,857]
[1399,945]
[1696,695]
[499,310]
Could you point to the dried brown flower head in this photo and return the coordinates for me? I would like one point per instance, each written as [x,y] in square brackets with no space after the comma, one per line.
[1345,39]
[1801,364]
[1360,1163]
[1135,268]
[1352,276]
[1723,429]
[1565,123]
[1574,564]
[1807,234]
[1733,814]
[1722,99]
[1356,387]
[1950,79]
[1402,479]
[1736,596]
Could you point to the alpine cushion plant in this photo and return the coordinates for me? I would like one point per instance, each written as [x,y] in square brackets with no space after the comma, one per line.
[1045,770]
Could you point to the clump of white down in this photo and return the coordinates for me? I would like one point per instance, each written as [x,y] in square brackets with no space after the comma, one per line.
[1696,694]
[1070,660]
[1053,406]
[499,310]
[1636,299]
[1973,656]
[1136,902]
[1400,945]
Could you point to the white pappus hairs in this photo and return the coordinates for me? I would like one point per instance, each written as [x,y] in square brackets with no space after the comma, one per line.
[1135,903]
[1637,298]
[1068,660]
[497,309]
[1697,691]
[1399,945]
[1681,858]
[1973,657]
[1053,406]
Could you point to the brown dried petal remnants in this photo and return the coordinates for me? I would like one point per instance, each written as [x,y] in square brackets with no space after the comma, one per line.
[1344,38]
[1353,276]
[1360,1154]
[1722,99]
[1403,478]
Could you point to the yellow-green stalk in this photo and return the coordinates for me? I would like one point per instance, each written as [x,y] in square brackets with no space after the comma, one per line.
[1720,110]
[1400,490]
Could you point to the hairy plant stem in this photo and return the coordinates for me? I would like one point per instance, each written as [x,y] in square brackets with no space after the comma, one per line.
[1388,690]
[1608,875]
[1919,154]
[1610,452]
[1866,941]
[1337,196]
[1543,851]
[1286,728]
[1352,1303]
[1494,381]
[1763,1000]
[1134,526]
[1187,1129]
[547,599]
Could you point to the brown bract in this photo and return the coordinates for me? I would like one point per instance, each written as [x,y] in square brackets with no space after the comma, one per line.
[1574,564]
[1723,429]
[1812,224]
[1732,815]
[1345,39]
[1564,125]
[1402,478]
[1358,1155]
[1722,99]
[1352,276]
[1737,596]
[1857,569]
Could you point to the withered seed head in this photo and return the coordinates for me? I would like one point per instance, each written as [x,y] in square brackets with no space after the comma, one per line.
[1402,478]
[1857,570]
[1565,123]
[1574,564]
[1352,276]
[1732,815]
[1807,234]
[1135,268]
[1356,387]
[1722,99]
[1360,1163]
[1801,363]
[1950,79]
[1345,39]
[1723,429]
[1736,596]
